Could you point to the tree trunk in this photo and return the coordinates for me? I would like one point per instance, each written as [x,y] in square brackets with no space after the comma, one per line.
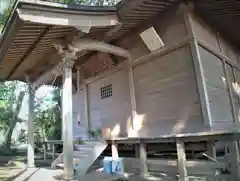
[14,120]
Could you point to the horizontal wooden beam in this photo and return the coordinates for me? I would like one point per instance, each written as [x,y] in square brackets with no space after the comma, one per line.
[206,136]
[141,60]
[93,45]
[77,20]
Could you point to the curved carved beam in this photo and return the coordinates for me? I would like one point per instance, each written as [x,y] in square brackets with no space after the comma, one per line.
[80,46]
[94,45]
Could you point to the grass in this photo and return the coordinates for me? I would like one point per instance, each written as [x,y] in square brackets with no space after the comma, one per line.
[10,165]
[9,170]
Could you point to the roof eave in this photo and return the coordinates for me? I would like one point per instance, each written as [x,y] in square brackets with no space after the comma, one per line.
[29,11]
[10,31]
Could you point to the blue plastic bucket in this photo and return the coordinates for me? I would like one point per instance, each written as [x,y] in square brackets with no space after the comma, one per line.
[107,165]
[111,166]
[118,166]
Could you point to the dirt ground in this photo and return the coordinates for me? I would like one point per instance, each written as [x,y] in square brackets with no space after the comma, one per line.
[10,168]
[13,169]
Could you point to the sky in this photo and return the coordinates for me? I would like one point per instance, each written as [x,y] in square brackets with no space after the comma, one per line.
[3,4]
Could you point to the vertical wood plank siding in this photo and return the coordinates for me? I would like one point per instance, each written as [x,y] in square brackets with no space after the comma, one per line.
[216,87]
[114,110]
[212,58]
[167,94]
[166,91]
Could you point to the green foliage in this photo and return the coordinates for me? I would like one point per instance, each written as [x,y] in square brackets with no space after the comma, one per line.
[48,122]
[5,14]
[8,102]
[95,133]
[103,2]
[11,101]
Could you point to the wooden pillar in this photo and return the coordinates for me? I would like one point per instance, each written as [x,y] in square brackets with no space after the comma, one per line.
[233,146]
[228,84]
[137,151]
[78,79]
[67,119]
[132,93]
[86,107]
[234,161]
[45,151]
[53,151]
[114,150]
[143,159]
[30,124]
[198,67]
[211,148]
[181,160]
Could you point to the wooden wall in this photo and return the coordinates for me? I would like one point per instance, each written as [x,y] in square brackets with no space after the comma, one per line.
[112,111]
[215,40]
[166,94]
[171,28]
[165,85]
[216,87]
[165,81]
[166,91]
[215,51]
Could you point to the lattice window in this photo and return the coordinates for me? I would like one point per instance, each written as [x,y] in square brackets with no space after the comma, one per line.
[106,91]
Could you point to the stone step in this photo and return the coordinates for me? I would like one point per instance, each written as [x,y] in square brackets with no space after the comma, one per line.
[92,142]
[83,147]
[80,155]
[84,165]
[84,151]
[84,156]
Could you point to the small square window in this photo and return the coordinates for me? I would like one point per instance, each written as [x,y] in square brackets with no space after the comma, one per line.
[106,91]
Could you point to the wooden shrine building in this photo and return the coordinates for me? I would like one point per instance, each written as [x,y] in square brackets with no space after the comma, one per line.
[141,69]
